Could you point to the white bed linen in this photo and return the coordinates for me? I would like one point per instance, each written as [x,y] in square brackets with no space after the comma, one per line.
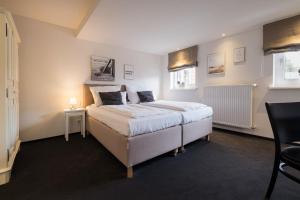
[176,105]
[135,110]
[190,111]
[134,126]
[196,115]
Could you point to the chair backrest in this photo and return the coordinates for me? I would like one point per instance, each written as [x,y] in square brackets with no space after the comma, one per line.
[285,121]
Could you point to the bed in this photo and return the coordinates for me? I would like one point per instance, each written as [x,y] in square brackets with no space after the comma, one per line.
[130,148]
[196,118]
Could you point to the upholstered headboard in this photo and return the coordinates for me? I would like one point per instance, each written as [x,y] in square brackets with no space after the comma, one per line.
[87,95]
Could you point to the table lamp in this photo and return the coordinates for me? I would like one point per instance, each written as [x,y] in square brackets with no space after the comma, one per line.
[73,103]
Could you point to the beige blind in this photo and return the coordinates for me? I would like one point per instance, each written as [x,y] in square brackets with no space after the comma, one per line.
[183,58]
[282,36]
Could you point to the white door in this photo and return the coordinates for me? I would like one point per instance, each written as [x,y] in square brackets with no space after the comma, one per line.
[15,92]
[16,88]
[12,95]
[3,98]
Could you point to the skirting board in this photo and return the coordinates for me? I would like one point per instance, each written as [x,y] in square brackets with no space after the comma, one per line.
[240,130]
[5,172]
[230,128]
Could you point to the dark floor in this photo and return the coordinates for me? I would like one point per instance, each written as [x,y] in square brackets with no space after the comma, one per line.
[228,167]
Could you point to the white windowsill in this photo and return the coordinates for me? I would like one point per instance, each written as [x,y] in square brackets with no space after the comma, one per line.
[284,88]
[183,89]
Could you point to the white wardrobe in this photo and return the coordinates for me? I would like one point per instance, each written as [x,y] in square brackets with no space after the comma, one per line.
[9,94]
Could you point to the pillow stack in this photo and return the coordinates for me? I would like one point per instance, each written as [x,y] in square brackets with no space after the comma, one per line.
[145,96]
[132,94]
[108,95]
[111,95]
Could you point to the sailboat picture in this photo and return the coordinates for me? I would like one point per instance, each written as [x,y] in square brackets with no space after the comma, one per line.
[103,68]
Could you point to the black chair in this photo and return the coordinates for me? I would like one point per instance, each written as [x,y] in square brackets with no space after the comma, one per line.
[285,122]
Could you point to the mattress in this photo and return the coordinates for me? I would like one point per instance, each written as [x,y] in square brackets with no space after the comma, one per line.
[128,126]
[190,111]
[196,115]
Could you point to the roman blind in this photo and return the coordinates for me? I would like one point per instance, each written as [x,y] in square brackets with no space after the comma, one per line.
[184,58]
[282,36]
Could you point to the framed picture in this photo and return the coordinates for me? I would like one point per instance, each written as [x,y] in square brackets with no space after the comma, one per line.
[103,68]
[128,72]
[216,63]
[239,54]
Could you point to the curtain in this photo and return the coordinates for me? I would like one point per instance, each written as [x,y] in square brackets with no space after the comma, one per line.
[184,58]
[282,36]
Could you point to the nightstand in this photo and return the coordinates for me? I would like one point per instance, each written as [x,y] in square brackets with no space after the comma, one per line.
[69,113]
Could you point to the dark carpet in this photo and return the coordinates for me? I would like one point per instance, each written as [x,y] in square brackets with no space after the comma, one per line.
[229,167]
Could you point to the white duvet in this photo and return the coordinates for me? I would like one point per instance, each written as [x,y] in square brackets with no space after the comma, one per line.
[135,110]
[130,126]
[190,111]
[176,105]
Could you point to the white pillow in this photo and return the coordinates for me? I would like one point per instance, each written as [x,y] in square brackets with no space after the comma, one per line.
[132,94]
[124,99]
[95,92]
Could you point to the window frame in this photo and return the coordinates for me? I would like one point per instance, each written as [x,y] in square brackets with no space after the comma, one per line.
[171,80]
[279,80]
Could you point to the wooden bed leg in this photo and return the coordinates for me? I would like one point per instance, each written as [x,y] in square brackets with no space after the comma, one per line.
[207,138]
[182,149]
[129,172]
[175,152]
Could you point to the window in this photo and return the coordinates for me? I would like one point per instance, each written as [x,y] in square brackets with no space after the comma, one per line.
[183,79]
[286,69]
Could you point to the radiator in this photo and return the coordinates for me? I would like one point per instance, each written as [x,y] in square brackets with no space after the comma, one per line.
[232,105]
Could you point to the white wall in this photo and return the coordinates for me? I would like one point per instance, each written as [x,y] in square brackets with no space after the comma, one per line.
[257,69]
[53,67]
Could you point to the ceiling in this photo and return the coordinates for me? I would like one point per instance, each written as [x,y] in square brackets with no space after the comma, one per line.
[66,13]
[154,26]
[161,26]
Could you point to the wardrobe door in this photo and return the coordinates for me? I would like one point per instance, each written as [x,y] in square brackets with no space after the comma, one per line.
[15,93]
[16,88]
[3,93]
[11,104]
[9,94]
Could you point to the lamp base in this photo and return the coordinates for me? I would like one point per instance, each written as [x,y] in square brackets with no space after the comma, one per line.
[72,108]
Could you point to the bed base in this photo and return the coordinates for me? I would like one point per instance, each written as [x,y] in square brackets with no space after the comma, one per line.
[196,130]
[133,150]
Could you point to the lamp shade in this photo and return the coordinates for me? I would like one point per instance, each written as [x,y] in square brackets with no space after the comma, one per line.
[73,102]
